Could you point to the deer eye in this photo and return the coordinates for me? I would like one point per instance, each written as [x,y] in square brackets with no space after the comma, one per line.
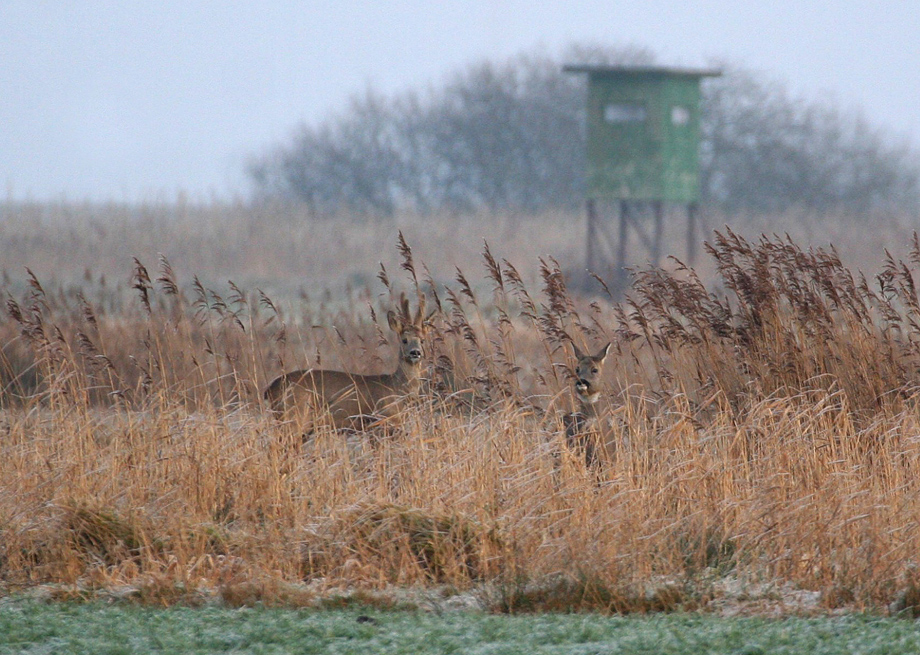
[594,370]
[405,341]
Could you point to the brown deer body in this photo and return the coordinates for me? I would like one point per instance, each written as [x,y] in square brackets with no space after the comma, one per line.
[352,400]
[585,430]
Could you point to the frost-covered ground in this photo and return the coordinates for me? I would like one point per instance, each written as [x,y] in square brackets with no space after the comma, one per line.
[30,626]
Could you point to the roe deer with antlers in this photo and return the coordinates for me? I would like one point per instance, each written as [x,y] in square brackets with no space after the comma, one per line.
[351,399]
[585,430]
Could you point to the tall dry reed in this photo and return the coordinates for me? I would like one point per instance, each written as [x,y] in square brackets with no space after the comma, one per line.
[768,425]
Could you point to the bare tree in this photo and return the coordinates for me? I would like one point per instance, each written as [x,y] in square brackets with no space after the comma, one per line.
[766,151]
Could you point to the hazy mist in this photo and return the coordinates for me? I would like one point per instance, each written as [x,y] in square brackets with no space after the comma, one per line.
[107,100]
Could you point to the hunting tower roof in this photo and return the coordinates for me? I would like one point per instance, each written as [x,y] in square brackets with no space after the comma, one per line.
[602,69]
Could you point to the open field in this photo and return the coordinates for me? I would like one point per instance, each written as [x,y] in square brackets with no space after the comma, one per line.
[766,415]
[101,629]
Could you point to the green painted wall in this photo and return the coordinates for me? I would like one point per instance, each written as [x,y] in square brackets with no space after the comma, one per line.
[643,135]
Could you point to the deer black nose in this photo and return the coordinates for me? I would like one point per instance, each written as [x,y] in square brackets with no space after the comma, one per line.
[582,383]
[415,353]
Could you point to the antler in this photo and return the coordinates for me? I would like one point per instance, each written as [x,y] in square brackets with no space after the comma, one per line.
[420,316]
[404,307]
[405,314]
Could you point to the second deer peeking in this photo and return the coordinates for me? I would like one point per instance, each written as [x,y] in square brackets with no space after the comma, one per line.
[585,430]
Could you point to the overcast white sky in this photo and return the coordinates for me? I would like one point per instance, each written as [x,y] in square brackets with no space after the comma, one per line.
[131,101]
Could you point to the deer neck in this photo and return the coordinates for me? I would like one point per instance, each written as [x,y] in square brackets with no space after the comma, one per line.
[588,405]
[407,376]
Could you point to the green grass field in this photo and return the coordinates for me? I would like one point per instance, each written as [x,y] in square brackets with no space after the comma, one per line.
[34,627]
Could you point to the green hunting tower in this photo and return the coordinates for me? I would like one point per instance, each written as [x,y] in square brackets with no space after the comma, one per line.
[643,136]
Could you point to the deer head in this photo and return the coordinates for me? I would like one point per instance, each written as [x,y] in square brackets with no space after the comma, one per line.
[410,331]
[588,369]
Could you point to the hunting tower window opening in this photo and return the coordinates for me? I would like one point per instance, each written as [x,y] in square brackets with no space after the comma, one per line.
[623,112]
[680,115]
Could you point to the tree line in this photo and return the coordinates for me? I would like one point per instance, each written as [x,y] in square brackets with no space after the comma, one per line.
[511,136]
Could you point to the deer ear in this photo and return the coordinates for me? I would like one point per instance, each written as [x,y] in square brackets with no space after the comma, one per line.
[395,323]
[602,353]
[578,353]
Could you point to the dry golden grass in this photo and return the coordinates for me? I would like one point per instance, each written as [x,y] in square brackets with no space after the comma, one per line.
[770,432]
